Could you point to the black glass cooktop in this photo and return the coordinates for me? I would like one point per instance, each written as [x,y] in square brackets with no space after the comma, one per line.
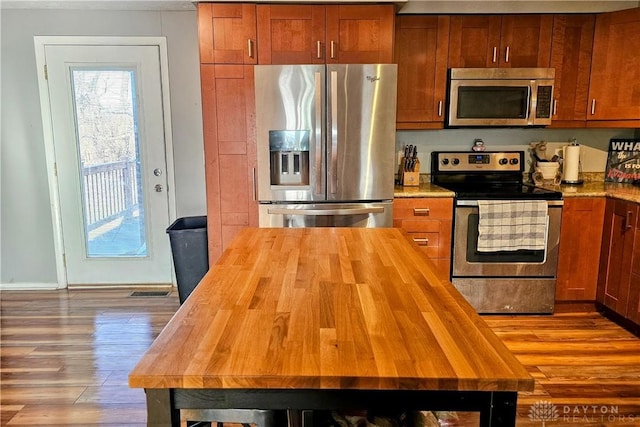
[502,192]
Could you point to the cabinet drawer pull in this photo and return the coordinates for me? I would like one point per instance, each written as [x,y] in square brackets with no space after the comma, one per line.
[555,107]
[421,241]
[440,108]
[593,106]
[421,211]
[333,49]
[250,47]
[628,220]
[494,58]
[318,49]
[506,54]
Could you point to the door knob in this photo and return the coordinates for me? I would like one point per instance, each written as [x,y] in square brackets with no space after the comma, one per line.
[158,188]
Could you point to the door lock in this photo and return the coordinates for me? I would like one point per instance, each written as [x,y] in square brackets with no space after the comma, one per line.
[158,188]
[157,171]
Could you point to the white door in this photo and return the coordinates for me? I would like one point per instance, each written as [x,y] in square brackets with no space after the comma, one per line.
[107,121]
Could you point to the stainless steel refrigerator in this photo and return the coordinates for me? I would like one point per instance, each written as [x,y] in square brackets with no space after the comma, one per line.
[326,144]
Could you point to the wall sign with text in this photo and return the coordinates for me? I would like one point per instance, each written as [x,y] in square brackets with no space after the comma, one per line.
[623,162]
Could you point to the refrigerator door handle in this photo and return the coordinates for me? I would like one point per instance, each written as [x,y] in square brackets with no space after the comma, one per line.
[318,212]
[334,133]
[318,132]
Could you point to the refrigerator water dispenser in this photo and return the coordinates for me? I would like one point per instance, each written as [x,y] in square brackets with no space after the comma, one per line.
[289,152]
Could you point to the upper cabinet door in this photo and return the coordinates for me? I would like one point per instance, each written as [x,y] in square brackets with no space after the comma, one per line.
[614,90]
[500,41]
[571,57]
[421,54]
[227,33]
[291,34]
[474,41]
[360,34]
[525,41]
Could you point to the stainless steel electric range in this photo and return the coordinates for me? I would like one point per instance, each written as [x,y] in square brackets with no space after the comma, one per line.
[493,265]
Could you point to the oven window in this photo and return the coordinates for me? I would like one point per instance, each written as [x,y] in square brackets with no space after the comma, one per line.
[522,256]
[493,102]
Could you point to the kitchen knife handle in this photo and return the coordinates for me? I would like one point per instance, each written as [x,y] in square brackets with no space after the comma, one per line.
[421,211]
[506,54]
[593,106]
[318,129]
[440,108]
[250,47]
[318,49]
[333,49]
[421,241]
[334,132]
[494,58]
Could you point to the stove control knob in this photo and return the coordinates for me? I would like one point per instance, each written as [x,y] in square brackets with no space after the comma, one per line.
[445,161]
[503,161]
[514,161]
[456,161]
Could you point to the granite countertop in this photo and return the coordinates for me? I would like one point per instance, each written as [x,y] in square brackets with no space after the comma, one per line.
[614,190]
[595,188]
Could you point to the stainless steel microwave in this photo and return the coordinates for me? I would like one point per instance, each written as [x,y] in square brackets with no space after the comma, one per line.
[500,96]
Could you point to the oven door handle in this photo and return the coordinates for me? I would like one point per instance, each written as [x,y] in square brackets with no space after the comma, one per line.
[475,202]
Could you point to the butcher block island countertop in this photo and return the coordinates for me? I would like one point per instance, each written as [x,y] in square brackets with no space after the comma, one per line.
[326,309]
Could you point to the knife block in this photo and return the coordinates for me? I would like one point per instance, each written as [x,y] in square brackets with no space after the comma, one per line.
[410,179]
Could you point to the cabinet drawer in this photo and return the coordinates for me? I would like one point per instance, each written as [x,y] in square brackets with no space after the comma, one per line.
[428,242]
[423,208]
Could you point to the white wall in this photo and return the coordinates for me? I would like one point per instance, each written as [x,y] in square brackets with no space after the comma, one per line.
[26,232]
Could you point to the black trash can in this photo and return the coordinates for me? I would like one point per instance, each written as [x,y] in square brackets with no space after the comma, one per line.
[188,237]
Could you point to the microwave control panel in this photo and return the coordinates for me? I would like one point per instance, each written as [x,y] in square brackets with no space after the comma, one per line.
[543,106]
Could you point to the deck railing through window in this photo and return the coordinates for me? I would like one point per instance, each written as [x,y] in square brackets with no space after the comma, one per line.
[110,190]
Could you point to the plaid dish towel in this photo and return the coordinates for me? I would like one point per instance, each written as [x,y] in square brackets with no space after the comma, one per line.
[510,225]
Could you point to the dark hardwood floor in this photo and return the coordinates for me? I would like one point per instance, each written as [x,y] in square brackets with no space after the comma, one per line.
[65,357]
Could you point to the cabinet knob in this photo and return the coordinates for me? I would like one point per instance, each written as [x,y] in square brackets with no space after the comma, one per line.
[440,108]
[506,54]
[318,49]
[494,58]
[421,211]
[628,220]
[333,49]
[593,106]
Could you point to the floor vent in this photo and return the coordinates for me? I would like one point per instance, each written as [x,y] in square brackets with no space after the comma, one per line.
[150,293]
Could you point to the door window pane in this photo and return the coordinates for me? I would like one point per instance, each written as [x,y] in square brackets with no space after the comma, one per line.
[109,153]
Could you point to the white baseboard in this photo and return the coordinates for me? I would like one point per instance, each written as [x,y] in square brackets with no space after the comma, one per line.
[26,286]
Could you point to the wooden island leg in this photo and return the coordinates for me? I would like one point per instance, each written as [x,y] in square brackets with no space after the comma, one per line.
[160,408]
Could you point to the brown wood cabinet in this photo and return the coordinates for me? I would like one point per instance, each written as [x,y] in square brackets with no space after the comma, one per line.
[633,306]
[614,88]
[579,253]
[617,256]
[571,57]
[228,106]
[500,41]
[428,222]
[305,34]
[227,33]
[421,47]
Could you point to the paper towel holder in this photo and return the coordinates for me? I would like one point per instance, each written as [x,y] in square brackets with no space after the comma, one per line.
[578,180]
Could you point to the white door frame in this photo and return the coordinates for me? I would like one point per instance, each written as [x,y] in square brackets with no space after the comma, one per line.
[50,155]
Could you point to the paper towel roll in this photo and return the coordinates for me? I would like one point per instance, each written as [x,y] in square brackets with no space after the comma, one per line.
[571,163]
